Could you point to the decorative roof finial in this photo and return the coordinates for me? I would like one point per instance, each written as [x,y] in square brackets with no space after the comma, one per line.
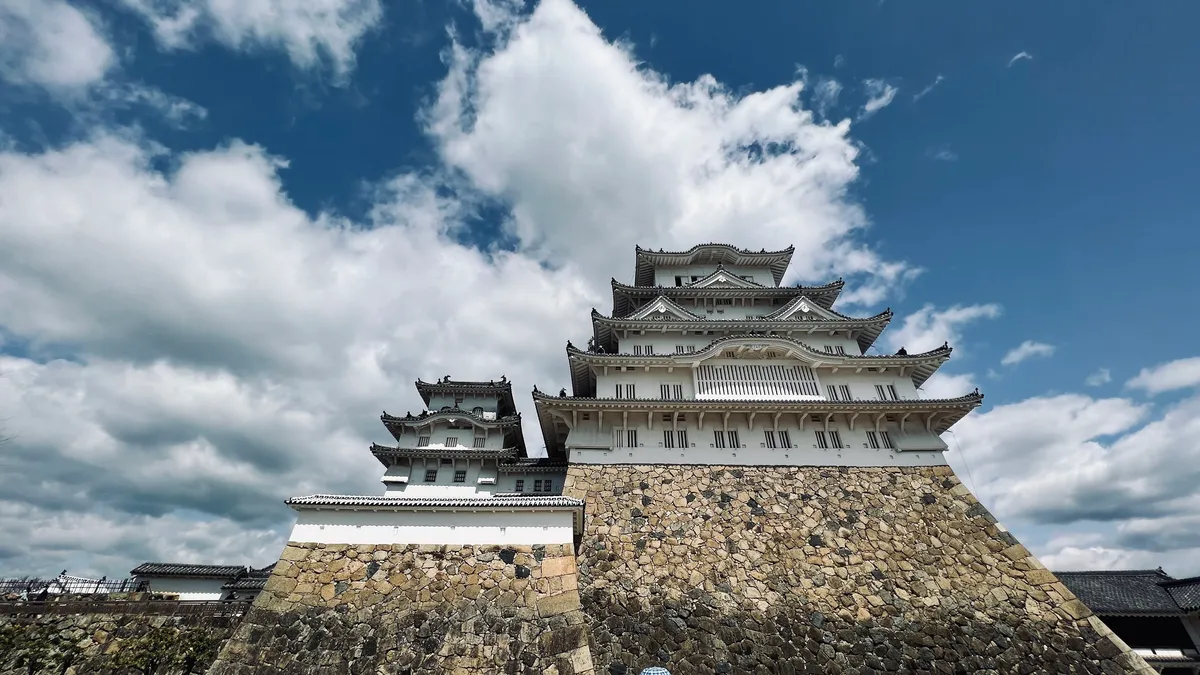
[447,379]
[562,393]
[902,352]
[503,379]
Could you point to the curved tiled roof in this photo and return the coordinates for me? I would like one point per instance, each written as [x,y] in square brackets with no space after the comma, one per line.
[426,417]
[159,569]
[924,364]
[533,464]
[644,268]
[1123,592]
[401,503]
[1185,593]
[824,295]
[503,388]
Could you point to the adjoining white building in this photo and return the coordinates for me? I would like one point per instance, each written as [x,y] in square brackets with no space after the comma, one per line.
[458,474]
[707,359]
[189,582]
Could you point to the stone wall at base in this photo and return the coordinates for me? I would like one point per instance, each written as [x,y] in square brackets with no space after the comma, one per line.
[106,643]
[414,609]
[707,569]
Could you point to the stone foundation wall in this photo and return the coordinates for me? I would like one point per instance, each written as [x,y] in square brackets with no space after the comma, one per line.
[818,570]
[102,644]
[384,609]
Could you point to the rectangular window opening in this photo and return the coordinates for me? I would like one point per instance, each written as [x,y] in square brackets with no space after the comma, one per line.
[422,441]
[452,441]
[460,476]
[520,486]
[430,475]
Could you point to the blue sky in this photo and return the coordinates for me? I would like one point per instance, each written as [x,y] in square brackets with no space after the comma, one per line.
[230,234]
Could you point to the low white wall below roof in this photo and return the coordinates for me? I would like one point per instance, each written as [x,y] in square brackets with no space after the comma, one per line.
[755,456]
[434,527]
[188,589]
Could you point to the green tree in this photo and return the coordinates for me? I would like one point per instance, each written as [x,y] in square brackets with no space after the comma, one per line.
[198,646]
[148,652]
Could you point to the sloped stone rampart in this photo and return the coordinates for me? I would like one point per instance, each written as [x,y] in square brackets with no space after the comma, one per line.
[383,609]
[104,643]
[818,570]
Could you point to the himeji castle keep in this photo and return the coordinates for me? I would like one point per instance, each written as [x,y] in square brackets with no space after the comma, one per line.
[737,480]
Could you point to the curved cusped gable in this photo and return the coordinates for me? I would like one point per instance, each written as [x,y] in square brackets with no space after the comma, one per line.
[723,278]
[663,309]
[803,308]
[759,347]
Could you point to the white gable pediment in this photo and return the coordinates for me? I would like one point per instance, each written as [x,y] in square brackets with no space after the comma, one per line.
[803,309]
[662,309]
[723,279]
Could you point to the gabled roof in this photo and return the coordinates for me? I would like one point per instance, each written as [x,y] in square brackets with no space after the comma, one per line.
[159,569]
[1185,593]
[867,329]
[723,278]
[1124,592]
[386,453]
[824,295]
[661,309]
[511,423]
[428,503]
[648,260]
[806,305]
[501,388]
[254,580]
[920,366]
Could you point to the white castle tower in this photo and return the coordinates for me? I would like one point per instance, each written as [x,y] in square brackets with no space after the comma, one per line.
[707,359]
[458,474]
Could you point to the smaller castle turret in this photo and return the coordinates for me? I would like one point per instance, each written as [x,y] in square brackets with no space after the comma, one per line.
[463,456]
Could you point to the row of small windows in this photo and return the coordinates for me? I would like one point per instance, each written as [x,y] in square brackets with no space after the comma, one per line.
[678,438]
[648,350]
[546,485]
[431,475]
[835,392]
[452,442]
[683,280]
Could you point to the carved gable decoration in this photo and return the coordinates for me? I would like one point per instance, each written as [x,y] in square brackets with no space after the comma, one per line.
[723,279]
[662,309]
[803,309]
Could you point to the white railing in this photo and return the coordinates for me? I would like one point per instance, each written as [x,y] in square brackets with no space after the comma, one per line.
[756,382]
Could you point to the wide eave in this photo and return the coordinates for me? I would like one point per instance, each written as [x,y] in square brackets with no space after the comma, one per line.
[866,330]
[724,254]
[387,455]
[942,413]
[920,367]
[511,424]
[623,294]
[502,388]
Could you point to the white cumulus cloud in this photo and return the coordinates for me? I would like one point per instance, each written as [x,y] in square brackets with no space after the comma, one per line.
[53,44]
[1100,377]
[1027,350]
[880,95]
[1178,374]
[311,32]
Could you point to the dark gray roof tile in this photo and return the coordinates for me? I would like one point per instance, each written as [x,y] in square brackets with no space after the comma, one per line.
[1122,592]
[159,569]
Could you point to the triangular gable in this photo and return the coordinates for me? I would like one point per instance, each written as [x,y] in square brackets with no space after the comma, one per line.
[801,309]
[662,308]
[723,278]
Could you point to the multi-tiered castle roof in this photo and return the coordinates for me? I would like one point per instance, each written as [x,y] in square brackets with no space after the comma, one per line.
[707,357]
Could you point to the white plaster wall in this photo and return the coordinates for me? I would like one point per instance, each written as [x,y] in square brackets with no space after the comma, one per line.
[703,447]
[755,457]
[488,403]
[433,527]
[664,343]
[439,431]
[444,486]
[665,276]
[646,382]
[188,589]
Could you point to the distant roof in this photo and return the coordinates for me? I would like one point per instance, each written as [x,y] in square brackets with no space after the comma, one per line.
[1129,592]
[402,503]
[254,580]
[725,254]
[445,385]
[1185,592]
[159,569]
